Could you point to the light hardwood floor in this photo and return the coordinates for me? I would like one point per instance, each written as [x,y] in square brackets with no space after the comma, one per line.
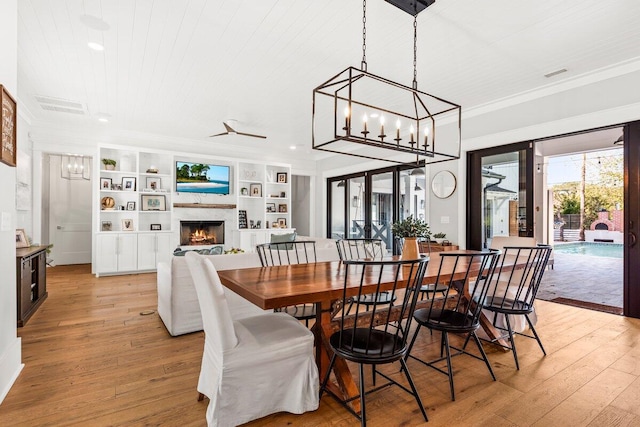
[92,359]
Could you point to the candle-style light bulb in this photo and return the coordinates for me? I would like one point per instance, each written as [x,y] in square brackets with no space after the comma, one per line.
[398,124]
[426,136]
[346,118]
[411,132]
[381,125]
[365,132]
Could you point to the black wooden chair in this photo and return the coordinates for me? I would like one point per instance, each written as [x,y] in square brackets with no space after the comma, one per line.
[457,311]
[513,291]
[288,253]
[354,249]
[368,338]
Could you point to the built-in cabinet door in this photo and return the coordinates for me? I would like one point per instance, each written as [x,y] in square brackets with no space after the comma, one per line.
[107,250]
[147,250]
[164,252]
[152,249]
[127,252]
[118,252]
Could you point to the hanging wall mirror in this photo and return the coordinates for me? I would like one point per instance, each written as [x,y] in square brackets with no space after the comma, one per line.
[443,184]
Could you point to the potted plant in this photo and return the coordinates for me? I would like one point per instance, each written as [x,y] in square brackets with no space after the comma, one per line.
[109,164]
[410,229]
[439,237]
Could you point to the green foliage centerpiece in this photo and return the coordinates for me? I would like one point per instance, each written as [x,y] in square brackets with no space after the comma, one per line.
[410,229]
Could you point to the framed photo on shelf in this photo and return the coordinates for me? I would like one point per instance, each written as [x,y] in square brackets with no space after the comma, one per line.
[21,239]
[282,222]
[281,177]
[242,219]
[106,226]
[131,206]
[117,187]
[129,184]
[127,225]
[105,183]
[271,207]
[153,183]
[255,190]
[156,227]
[282,208]
[153,203]
[8,120]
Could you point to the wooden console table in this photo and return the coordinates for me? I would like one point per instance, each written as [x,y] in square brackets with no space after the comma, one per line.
[436,247]
[31,272]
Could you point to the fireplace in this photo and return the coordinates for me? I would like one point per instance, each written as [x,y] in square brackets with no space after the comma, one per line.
[198,233]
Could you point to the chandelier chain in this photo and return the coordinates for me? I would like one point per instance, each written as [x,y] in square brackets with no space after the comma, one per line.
[415,52]
[363,65]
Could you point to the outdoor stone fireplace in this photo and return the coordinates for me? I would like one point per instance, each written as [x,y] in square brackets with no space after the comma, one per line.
[201,232]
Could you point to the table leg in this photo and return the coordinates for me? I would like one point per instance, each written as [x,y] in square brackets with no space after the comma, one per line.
[346,387]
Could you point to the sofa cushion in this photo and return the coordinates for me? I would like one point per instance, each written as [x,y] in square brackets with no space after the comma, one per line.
[214,250]
[284,238]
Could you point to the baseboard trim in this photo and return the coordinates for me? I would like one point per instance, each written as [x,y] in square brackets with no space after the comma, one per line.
[10,367]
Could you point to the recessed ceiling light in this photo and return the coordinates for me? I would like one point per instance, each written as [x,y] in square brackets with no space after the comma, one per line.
[103,117]
[95,46]
[292,147]
[94,22]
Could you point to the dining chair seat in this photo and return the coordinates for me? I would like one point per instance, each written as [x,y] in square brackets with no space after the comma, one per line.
[466,278]
[513,293]
[361,340]
[288,253]
[363,248]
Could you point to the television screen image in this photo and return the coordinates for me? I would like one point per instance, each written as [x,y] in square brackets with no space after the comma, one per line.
[202,178]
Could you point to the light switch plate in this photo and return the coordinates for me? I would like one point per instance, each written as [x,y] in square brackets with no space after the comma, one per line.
[5,221]
[444,220]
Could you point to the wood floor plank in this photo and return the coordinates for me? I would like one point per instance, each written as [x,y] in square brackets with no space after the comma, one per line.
[92,359]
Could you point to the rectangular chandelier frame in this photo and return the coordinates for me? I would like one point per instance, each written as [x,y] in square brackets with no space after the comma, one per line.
[415,116]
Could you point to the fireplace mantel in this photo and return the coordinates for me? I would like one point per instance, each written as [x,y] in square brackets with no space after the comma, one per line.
[204,206]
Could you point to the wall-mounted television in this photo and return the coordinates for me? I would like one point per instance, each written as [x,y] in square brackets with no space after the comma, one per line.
[192,177]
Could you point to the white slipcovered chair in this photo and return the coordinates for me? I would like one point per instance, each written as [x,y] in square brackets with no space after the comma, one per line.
[251,367]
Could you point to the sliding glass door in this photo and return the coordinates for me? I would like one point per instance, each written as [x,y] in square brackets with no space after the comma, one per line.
[500,196]
[366,204]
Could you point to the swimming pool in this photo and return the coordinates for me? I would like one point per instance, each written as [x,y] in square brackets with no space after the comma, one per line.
[607,250]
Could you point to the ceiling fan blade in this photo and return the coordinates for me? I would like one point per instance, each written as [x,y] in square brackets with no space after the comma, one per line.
[219,134]
[229,128]
[252,135]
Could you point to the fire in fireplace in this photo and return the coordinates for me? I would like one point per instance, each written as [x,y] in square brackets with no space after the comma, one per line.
[196,233]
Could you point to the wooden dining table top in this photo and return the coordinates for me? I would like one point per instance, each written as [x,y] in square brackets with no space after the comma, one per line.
[281,286]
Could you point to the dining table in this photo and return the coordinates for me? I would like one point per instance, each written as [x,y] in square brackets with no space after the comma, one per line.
[322,283]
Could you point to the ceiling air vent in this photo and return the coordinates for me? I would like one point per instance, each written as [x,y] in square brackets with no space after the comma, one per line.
[60,105]
[555,73]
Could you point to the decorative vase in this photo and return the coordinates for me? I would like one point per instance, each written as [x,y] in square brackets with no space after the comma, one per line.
[109,167]
[410,250]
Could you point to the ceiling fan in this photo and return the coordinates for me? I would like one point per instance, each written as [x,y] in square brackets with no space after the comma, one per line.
[232,131]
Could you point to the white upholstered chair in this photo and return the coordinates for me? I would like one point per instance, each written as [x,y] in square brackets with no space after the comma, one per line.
[251,367]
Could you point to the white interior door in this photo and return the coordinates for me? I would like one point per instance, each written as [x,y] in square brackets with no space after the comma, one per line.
[69,217]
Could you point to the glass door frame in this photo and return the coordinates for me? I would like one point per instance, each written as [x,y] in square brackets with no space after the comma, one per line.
[475,213]
[366,202]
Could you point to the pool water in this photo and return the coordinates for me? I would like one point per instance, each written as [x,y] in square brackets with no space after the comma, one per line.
[607,250]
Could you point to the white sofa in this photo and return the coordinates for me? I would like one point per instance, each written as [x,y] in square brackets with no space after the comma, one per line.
[177,300]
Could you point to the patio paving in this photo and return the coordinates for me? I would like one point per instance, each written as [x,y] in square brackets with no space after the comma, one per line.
[596,280]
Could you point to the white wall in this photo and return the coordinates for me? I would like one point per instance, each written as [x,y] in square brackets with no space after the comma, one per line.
[10,352]
[301,204]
